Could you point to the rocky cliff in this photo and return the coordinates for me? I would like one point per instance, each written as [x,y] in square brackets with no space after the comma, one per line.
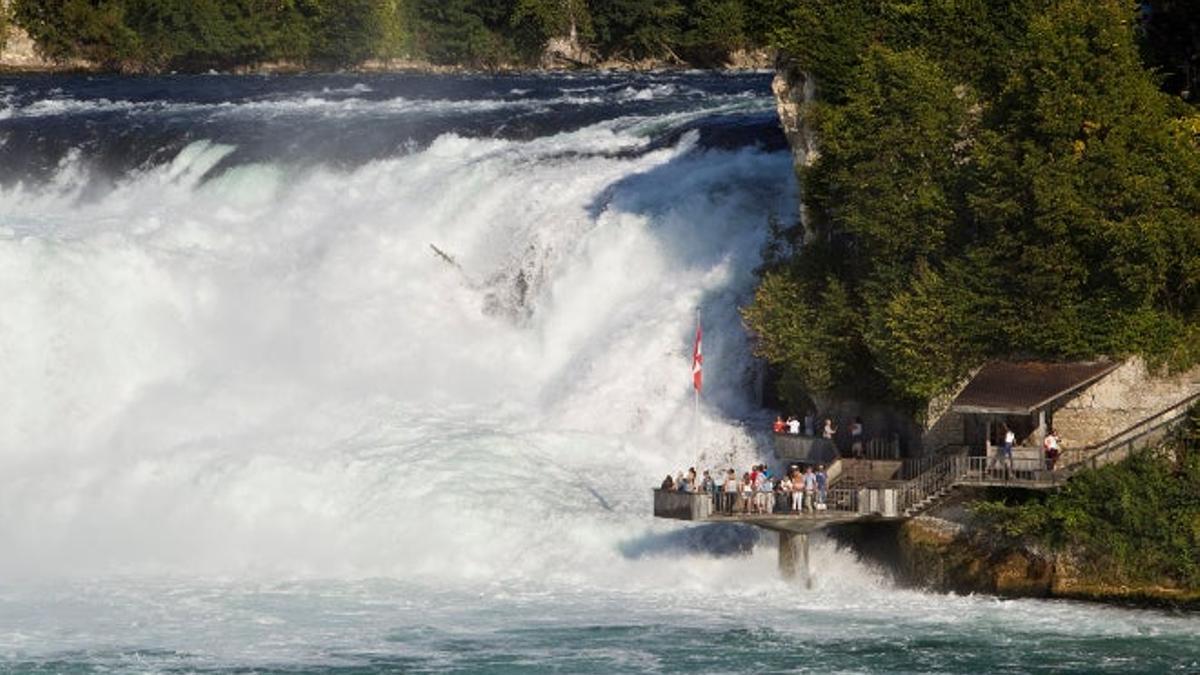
[794,94]
[945,555]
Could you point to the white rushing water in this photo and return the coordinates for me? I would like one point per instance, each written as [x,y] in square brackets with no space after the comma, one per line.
[273,372]
[251,418]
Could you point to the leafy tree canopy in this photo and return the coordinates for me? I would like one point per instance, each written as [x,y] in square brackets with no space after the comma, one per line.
[996,178]
[199,34]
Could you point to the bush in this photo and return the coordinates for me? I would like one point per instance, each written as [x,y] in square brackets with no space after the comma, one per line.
[1140,518]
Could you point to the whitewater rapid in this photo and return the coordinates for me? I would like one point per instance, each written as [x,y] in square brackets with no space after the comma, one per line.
[269,369]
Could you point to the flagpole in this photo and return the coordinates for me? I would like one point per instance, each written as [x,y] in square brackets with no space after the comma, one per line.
[696,404]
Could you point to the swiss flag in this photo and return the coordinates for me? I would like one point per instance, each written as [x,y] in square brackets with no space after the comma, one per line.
[697,363]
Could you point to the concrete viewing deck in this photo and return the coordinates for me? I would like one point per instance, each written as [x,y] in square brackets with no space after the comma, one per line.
[918,485]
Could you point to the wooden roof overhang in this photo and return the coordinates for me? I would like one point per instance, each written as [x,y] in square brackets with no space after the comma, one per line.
[1024,387]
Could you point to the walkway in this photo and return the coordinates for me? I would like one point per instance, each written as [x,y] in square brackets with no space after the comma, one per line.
[924,483]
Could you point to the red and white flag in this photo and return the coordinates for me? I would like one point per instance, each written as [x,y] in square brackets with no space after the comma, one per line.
[697,363]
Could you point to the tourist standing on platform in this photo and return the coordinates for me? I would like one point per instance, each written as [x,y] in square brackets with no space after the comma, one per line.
[730,491]
[793,426]
[668,484]
[779,425]
[709,486]
[810,422]
[856,438]
[1006,451]
[1051,448]
[829,430]
[766,494]
[810,490]
[797,491]
[822,482]
[747,493]
[785,492]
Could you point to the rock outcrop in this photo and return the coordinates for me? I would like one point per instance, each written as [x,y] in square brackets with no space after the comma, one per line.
[947,556]
[794,92]
[17,51]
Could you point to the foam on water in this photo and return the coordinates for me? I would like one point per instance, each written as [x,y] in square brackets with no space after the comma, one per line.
[232,374]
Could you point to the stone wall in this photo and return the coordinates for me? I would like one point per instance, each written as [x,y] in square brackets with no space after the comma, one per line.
[1121,399]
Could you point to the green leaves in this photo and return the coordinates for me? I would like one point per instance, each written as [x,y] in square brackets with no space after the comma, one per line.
[1001,173]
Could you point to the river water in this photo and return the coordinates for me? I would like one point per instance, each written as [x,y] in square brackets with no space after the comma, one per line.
[373,373]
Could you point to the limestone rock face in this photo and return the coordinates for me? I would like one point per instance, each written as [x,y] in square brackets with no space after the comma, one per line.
[795,91]
[566,50]
[18,52]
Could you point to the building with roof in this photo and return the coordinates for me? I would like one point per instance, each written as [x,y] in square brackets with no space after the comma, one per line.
[1086,402]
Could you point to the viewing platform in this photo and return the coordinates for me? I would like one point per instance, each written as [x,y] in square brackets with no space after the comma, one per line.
[911,487]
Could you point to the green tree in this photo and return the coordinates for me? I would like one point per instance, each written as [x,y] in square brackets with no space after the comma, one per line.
[713,30]
[637,29]
[463,31]
[94,30]
[535,22]
[1035,198]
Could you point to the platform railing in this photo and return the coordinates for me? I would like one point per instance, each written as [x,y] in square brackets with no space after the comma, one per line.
[714,505]
[1013,471]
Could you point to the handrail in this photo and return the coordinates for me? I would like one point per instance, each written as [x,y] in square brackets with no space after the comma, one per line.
[1090,453]
[718,504]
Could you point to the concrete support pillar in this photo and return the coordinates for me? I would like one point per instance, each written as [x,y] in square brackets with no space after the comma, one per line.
[793,557]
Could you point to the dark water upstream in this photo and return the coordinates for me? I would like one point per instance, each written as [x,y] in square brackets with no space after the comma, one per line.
[373,373]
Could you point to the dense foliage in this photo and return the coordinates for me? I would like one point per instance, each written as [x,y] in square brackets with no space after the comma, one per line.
[198,34]
[996,178]
[1139,518]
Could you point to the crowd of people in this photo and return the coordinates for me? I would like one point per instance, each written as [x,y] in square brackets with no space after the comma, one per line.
[759,490]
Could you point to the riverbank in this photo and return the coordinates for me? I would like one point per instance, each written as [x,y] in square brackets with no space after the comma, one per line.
[954,552]
[19,55]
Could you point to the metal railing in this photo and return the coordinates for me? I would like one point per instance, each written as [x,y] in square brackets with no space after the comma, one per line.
[937,476]
[817,449]
[1000,471]
[715,505]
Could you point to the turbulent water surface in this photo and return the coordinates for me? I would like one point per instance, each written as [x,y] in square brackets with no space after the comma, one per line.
[358,373]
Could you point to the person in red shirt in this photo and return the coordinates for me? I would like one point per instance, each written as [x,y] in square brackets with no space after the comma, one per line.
[778,426]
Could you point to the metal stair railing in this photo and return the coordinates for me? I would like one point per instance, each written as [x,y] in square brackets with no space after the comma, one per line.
[1124,443]
[930,484]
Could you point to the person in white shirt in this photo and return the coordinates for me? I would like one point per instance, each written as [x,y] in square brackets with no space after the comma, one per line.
[793,426]
[1050,449]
